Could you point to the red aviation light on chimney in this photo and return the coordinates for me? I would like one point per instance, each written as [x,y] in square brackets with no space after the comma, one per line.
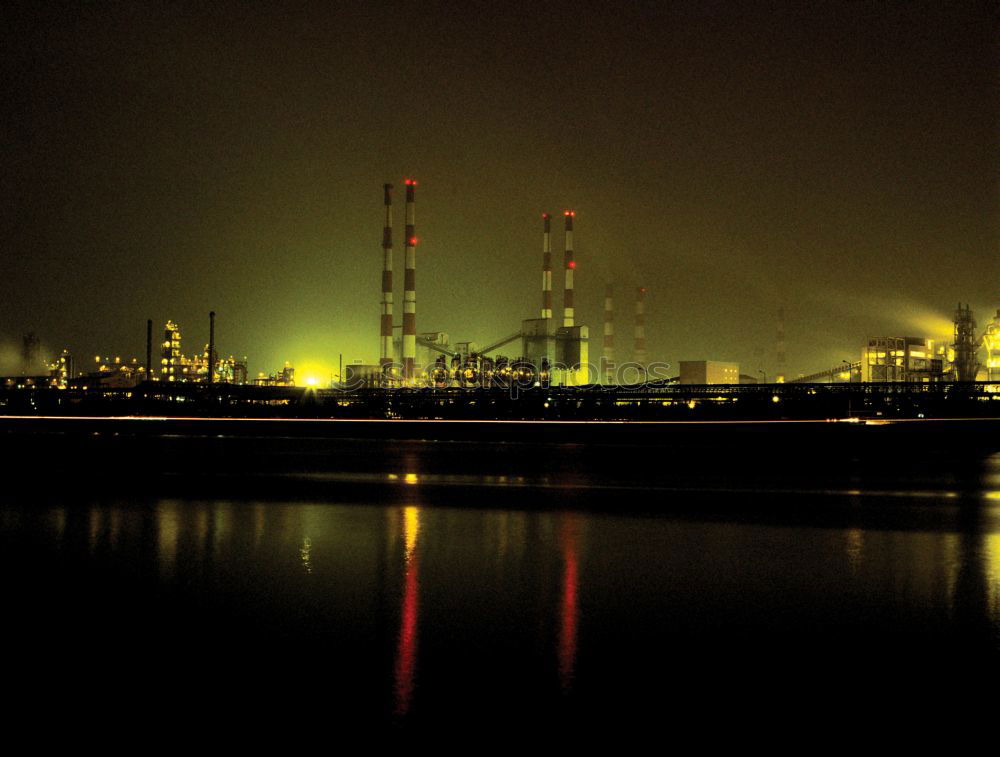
[413,241]
[411,182]
[570,213]
[571,264]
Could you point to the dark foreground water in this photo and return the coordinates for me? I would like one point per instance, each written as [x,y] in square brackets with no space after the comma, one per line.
[411,585]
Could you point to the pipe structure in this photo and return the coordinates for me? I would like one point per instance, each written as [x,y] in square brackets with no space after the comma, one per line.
[546,266]
[570,265]
[609,334]
[780,375]
[211,347]
[410,288]
[385,327]
[640,328]
[149,350]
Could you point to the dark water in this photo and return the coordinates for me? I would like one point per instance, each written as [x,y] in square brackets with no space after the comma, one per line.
[415,584]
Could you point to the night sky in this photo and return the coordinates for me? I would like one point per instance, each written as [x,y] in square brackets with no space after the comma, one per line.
[160,160]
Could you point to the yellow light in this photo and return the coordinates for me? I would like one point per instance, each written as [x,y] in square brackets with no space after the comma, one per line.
[411,529]
[311,381]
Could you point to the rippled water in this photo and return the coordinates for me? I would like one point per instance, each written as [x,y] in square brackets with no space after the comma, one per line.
[417,591]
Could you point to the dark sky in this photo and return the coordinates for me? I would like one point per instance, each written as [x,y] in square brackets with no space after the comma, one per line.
[165,159]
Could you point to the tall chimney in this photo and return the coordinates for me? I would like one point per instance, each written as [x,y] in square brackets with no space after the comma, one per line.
[570,264]
[609,334]
[149,350]
[780,376]
[211,347]
[385,329]
[410,288]
[640,329]
[546,266]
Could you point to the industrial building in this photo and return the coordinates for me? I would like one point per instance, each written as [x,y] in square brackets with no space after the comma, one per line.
[549,351]
[63,368]
[703,372]
[176,366]
[902,359]
[284,377]
[991,344]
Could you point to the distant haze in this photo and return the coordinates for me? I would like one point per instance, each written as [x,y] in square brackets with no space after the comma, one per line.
[160,160]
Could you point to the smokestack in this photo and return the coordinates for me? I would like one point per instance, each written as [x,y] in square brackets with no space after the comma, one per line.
[385,329]
[609,334]
[149,350]
[640,328]
[780,375]
[570,265]
[211,347]
[546,266]
[410,288]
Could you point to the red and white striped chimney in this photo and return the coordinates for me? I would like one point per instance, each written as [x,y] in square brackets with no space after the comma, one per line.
[385,331]
[570,265]
[546,266]
[410,288]
[640,328]
[609,334]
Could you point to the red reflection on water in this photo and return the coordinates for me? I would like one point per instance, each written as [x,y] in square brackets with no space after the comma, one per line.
[569,538]
[406,651]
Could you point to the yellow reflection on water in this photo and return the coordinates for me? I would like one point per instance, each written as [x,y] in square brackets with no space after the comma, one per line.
[991,550]
[305,553]
[411,529]
[406,649]
[855,547]
[258,524]
[168,529]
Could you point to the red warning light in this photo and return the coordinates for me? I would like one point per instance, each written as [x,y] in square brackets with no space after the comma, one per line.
[413,241]
[411,182]
[571,264]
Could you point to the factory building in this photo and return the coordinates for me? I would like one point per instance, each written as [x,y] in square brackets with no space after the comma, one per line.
[63,368]
[552,349]
[991,344]
[564,349]
[361,376]
[903,358]
[284,377]
[111,373]
[176,366]
[965,363]
[702,372]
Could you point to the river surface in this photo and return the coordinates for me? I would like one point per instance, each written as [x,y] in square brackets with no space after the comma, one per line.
[412,584]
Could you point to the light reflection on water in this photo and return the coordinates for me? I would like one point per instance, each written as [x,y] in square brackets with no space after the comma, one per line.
[559,593]
[409,615]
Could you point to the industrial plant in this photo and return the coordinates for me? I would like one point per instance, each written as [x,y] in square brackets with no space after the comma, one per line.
[550,352]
